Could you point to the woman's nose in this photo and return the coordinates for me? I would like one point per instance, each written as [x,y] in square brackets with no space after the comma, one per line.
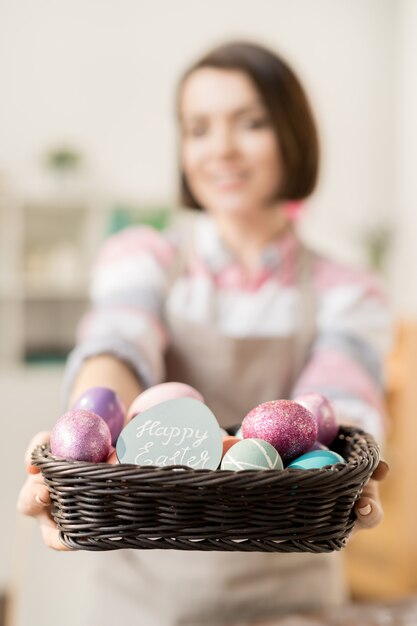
[223,141]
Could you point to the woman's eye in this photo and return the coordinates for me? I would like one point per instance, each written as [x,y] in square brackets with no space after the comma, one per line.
[254,123]
[195,131]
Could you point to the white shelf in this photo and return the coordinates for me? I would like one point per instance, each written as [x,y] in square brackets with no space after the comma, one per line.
[46,250]
[47,245]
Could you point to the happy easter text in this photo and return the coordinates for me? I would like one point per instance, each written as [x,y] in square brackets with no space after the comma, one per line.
[182,440]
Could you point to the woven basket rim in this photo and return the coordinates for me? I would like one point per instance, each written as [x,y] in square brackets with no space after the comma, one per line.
[42,455]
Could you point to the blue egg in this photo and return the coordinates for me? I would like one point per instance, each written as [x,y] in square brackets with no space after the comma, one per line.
[316,459]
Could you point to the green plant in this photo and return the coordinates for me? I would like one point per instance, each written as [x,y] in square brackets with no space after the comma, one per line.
[63,159]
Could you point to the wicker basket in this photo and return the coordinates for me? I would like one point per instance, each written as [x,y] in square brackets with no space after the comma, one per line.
[108,507]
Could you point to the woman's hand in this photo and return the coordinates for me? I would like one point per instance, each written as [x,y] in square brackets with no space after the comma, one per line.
[368,508]
[34,497]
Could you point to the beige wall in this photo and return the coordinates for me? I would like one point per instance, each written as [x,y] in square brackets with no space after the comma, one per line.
[404,261]
[102,75]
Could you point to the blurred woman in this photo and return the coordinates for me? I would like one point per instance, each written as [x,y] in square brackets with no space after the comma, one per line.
[230,301]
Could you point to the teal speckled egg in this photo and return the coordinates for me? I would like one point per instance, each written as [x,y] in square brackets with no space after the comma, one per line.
[316,459]
[252,454]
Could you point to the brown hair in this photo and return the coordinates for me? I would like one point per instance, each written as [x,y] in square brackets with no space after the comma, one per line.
[287,105]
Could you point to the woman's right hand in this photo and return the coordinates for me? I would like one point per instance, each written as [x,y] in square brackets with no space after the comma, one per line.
[34,497]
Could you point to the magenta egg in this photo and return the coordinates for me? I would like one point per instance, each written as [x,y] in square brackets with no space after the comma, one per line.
[106,403]
[161,393]
[324,415]
[80,435]
[286,425]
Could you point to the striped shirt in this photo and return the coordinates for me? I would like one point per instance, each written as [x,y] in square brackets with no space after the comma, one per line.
[132,289]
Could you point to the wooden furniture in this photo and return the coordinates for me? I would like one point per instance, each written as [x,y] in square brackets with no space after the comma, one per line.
[381,563]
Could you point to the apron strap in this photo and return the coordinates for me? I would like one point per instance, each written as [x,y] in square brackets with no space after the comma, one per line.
[306,306]
[184,226]
[307,310]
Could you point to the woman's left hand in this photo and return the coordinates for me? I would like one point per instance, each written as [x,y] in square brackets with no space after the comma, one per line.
[368,508]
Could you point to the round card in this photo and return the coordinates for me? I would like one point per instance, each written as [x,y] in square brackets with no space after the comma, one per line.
[182,431]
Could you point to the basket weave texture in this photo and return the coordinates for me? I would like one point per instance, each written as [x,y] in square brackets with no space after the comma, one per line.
[109,507]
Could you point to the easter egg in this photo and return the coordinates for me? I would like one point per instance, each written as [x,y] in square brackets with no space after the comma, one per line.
[286,425]
[323,413]
[106,403]
[318,446]
[316,459]
[80,435]
[252,454]
[228,442]
[182,431]
[160,393]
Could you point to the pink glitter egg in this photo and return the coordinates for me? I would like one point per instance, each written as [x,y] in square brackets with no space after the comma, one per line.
[161,393]
[324,415]
[286,425]
[80,435]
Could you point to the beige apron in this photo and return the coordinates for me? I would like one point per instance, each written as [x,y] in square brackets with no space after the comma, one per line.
[176,588]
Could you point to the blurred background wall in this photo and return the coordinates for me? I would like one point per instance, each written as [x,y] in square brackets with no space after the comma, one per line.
[100,76]
[88,143]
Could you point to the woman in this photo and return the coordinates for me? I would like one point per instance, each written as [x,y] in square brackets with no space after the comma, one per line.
[232,303]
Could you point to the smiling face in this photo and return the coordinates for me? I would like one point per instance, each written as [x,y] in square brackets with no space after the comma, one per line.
[230,154]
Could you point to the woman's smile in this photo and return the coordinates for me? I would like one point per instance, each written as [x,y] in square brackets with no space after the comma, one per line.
[228,179]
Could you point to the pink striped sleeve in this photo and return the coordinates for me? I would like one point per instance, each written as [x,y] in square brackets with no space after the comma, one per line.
[133,243]
[331,369]
[129,283]
[353,338]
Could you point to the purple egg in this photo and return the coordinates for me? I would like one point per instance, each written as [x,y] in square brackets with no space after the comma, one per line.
[81,436]
[324,414]
[106,403]
[286,425]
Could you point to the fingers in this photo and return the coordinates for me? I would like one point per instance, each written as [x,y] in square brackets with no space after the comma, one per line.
[368,508]
[37,440]
[34,500]
[34,496]
[50,533]
[51,538]
[369,513]
[381,470]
